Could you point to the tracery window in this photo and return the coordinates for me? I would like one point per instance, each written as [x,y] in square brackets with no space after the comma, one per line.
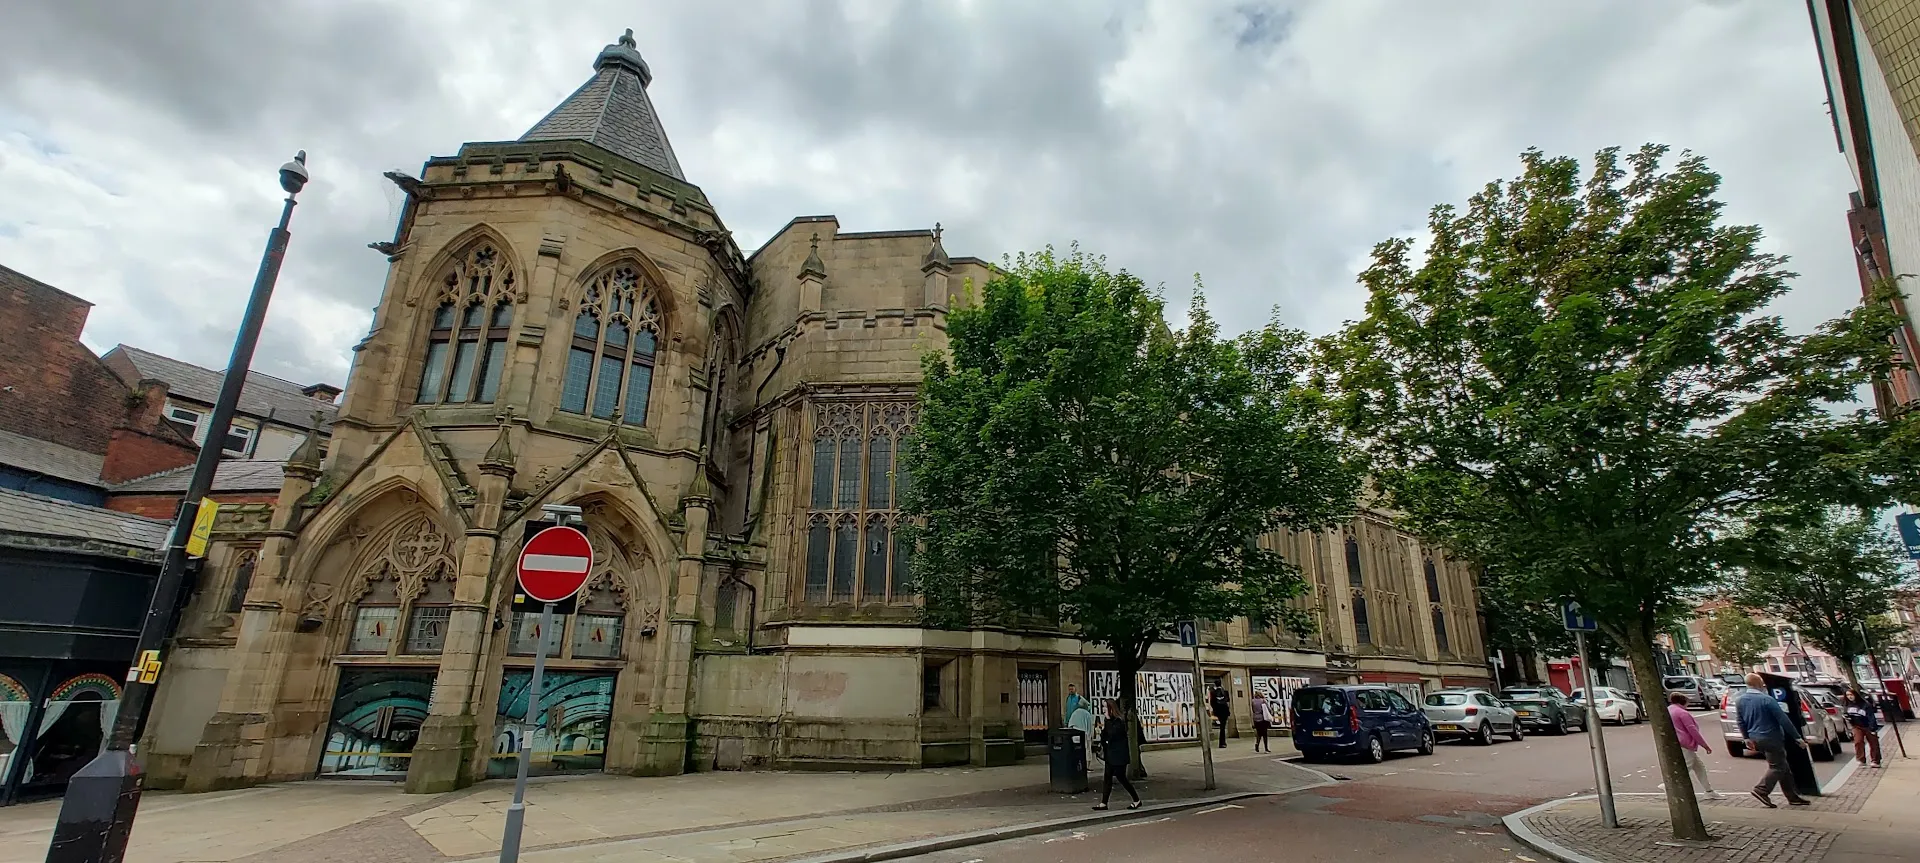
[1438,610]
[610,364]
[1357,584]
[408,577]
[242,580]
[467,345]
[598,626]
[852,552]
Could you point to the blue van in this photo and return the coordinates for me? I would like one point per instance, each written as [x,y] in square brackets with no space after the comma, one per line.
[1368,721]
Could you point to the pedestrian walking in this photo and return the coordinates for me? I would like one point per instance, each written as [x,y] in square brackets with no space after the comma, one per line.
[1080,718]
[1692,743]
[1222,706]
[1113,752]
[1262,722]
[1866,727]
[1768,728]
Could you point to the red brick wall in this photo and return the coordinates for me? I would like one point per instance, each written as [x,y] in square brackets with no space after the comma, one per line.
[132,454]
[164,506]
[51,387]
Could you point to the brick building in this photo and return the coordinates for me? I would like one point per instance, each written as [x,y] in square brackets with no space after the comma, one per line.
[566,320]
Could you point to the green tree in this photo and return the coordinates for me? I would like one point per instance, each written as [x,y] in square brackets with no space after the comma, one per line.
[1832,576]
[1078,461]
[1579,385]
[1737,640]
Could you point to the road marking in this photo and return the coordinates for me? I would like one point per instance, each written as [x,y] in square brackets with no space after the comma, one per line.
[1219,809]
[1077,835]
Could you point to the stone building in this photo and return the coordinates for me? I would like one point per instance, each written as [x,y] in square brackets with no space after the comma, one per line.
[567,321]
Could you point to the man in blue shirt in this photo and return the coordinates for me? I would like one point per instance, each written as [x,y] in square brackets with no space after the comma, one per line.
[1768,729]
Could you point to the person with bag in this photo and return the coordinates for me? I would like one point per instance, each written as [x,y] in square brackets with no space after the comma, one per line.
[1262,722]
[1866,727]
[1113,752]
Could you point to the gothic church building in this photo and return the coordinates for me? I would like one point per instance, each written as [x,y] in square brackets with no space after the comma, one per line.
[566,320]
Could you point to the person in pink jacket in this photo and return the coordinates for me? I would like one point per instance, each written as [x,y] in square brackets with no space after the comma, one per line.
[1691,742]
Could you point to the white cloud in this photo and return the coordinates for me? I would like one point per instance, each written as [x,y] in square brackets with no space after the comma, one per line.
[1267,146]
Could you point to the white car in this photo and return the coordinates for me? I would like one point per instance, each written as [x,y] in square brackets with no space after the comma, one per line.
[1614,706]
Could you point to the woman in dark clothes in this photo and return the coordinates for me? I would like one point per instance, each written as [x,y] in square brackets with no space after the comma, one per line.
[1113,751]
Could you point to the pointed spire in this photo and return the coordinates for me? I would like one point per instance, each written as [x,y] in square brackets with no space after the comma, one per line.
[306,457]
[812,266]
[936,254]
[500,455]
[612,111]
[701,490]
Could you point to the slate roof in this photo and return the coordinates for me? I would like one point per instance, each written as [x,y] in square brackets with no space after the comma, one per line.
[50,459]
[612,110]
[263,395]
[232,475]
[40,516]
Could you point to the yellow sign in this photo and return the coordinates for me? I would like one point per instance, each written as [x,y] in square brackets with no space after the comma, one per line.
[202,528]
[148,670]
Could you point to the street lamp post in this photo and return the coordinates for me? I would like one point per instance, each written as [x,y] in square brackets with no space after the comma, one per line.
[96,815]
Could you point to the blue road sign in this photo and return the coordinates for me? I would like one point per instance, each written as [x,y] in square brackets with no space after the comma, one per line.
[1189,634]
[1576,620]
[1910,532]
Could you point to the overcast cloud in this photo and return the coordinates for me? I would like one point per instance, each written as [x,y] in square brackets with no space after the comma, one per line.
[1264,145]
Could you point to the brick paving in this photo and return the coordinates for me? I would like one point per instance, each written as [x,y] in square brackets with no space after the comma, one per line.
[1644,838]
[1847,798]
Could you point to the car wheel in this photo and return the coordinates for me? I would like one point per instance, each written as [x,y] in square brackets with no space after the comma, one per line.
[1559,726]
[1376,750]
[1837,749]
[1519,731]
[1311,757]
[1427,740]
[1484,736]
[1822,752]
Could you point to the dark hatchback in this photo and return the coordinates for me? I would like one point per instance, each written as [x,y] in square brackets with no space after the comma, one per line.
[1544,709]
[1368,721]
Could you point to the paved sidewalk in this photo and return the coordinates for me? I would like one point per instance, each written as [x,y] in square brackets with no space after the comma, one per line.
[749,817]
[1872,817]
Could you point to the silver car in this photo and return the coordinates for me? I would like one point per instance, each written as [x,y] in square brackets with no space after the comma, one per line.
[1471,714]
[1823,739]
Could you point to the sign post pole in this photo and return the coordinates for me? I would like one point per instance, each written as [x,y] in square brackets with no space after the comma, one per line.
[1190,637]
[1578,623]
[553,566]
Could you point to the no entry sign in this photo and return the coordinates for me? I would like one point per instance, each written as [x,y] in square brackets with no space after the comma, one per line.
[554,564]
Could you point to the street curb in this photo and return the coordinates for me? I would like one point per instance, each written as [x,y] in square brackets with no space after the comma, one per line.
[1016,831]
[1517,827]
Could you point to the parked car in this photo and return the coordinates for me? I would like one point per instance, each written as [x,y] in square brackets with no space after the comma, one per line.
[1544,708]
[1699,697]
[1368,721]
[1823,740]
[1614,705]
[1716,686]
[1826,702]
[1471,714]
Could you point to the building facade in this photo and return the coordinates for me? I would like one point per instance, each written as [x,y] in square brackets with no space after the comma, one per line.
[1869,53]
[566,320]
[271,419]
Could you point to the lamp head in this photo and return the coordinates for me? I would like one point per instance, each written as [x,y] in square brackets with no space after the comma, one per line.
[293,175]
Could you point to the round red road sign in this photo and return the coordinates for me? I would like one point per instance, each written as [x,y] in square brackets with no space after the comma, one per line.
[554,564]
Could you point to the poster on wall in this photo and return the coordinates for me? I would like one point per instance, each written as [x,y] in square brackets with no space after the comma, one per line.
[376,719]
[1279,691]
[1165,702]
[575,711]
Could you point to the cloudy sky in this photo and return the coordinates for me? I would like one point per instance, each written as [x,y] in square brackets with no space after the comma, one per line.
[1265,145]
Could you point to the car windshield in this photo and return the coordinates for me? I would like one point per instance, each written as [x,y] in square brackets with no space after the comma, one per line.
[1679,683]
[1522,693]
[1318,701]
[1445,699]
[1526,698]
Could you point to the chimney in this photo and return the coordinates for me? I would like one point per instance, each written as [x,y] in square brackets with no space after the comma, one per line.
[324,392]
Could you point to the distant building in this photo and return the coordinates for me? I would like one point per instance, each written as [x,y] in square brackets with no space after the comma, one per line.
[1870,56]
[272,418]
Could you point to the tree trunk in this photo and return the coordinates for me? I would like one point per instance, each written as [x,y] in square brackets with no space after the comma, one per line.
[1126,657]
[1683,808]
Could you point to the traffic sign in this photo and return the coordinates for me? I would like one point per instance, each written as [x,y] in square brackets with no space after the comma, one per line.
[1909,523]
[1576,620]
[554,564]
[1189,633]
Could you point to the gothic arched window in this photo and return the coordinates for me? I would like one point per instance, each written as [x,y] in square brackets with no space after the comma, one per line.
[242,580]
[467,345]
[1357,583]
[853,551]
[1435,607]
[610,364]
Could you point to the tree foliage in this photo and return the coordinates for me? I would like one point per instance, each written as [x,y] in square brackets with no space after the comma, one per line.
[1579,385]
[1076,461]
[1832,577]
[1737,640]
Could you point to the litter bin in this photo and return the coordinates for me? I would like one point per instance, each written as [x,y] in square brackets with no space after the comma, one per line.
[1067,760]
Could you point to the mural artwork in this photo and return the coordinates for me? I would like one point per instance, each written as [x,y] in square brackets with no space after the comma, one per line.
[1165,702]
[376,719]
[575,710]
[1279,690]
